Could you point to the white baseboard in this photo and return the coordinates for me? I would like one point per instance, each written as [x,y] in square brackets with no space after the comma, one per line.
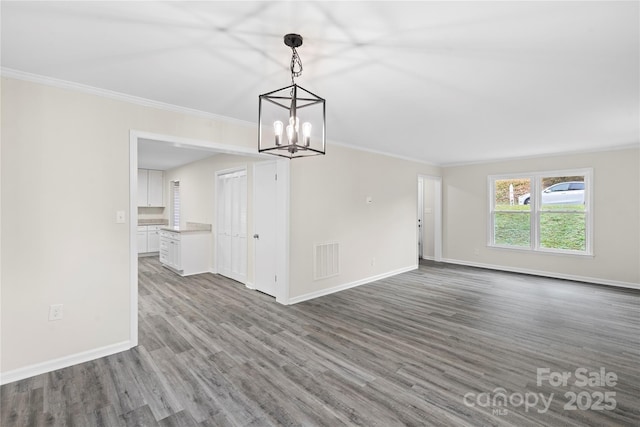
[345,286]
[62,362]
[542,273]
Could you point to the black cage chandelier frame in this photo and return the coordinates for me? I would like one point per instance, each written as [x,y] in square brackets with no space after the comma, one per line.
[299,108]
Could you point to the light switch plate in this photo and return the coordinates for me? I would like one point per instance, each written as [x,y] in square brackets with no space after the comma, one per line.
[55,312]
[120,218]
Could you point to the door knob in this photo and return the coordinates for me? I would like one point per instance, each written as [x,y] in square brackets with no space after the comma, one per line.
[256,236]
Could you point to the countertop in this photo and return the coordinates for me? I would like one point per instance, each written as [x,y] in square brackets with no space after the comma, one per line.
[191,227]
[142,222]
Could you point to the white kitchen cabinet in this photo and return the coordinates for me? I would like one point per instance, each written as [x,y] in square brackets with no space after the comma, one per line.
[185,253]
[150,188]
[153,238]
[155,190]
[148,238]
[142,239]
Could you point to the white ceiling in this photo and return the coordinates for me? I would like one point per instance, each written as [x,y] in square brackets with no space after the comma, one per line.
[442,82]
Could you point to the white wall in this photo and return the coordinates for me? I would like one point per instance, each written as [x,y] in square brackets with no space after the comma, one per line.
[198,192]
[616,213]
[65,173]
[328,204]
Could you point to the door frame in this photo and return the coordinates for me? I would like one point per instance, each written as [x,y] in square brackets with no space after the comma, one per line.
[282,235]
[437,214]
[420,217]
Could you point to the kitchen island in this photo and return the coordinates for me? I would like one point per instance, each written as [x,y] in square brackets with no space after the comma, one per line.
[186,250]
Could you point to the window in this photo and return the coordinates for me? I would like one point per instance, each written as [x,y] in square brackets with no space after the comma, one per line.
[175,203]
[548,211]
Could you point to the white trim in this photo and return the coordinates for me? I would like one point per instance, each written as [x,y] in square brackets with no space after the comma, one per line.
[118,96]
[133,242]
[283,190]
[349,285]
[420,216]
[63,362]
[630,146]
[551,274]
[382,153]
[535,212]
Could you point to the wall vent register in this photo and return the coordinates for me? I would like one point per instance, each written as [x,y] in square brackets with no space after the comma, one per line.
[326,260]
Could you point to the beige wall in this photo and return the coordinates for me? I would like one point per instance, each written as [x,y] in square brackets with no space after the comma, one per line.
[65,173]
[64,247]
[616,213]
[328,204]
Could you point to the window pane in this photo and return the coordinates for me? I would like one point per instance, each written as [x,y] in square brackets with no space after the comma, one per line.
[563,231]
[512,194]
[511,228]
[563,192]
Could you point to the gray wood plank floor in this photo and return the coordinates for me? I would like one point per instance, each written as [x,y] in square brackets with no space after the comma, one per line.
[401,351]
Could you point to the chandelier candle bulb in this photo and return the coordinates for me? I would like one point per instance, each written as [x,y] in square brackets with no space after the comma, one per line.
[277,129]
[290,134]
[306,133]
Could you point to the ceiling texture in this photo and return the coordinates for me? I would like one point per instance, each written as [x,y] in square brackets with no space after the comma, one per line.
[440,82]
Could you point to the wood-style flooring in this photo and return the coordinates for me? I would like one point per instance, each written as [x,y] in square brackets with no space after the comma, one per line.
[442,345]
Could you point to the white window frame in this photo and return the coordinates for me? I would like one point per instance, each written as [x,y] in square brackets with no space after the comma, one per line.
[535,179]
[174,220]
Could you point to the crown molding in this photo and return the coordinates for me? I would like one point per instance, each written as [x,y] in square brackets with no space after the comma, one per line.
[631,146]
[119,96]
[382,153]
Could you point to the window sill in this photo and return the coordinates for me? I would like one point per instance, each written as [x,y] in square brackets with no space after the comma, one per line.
[543,251]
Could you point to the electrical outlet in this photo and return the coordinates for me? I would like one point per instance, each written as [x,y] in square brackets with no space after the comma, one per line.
[55,312]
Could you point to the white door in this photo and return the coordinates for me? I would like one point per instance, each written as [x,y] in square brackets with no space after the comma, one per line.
[231,235]
[264,214]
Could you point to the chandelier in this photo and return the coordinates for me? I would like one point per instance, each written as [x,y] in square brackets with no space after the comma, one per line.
[291,120]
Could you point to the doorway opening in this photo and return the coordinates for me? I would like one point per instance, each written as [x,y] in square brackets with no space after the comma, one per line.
[429,222]
[281,247]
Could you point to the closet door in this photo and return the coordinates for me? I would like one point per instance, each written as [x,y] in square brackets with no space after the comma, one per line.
[232,225]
